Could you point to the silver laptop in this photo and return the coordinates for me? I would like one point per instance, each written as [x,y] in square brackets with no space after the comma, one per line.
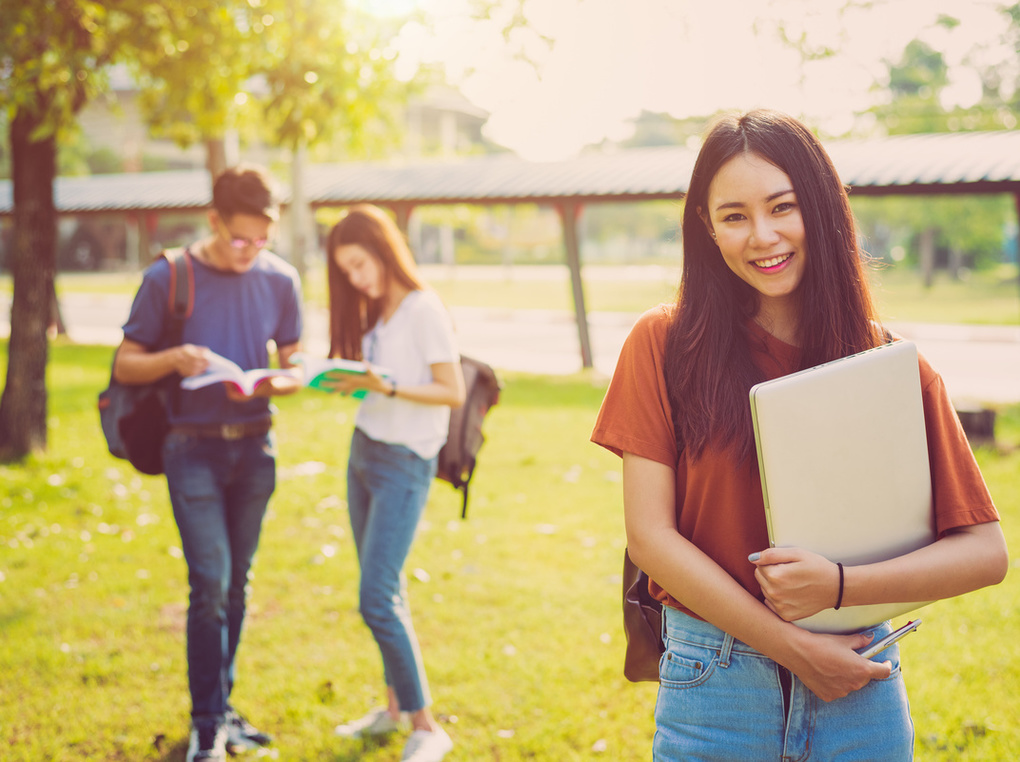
[844,467]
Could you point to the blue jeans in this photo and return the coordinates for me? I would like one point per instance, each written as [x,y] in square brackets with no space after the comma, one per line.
[387,486]
[721,700]
[219,490]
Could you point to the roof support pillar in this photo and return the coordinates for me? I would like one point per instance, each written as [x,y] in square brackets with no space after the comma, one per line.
[136,245]
[1016,202]
[570,211]
[298,210]
[133,238]
[403,215]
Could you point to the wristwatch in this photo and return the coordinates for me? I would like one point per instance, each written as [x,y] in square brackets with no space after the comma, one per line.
[393,389]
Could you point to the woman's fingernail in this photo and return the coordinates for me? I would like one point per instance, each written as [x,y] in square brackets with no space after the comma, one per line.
[754,557]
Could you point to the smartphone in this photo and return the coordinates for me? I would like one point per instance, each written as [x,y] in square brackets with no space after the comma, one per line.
[880,645]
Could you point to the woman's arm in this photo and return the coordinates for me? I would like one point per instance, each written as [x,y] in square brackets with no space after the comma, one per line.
[446,388]
[827,664]
[798,583]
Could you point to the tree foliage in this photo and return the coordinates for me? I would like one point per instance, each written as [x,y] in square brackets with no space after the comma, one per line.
[53,54]
[291,73]
[298,71]
[974,228]
[190,77]
[326,75]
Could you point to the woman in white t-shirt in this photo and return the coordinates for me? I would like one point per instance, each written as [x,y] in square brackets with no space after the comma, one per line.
[383,313]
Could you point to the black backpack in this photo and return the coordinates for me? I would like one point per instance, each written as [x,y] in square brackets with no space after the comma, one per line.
[458,456]
[134,417]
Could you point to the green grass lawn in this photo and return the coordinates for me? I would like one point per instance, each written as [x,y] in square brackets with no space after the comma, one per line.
[989,297]
[517,608]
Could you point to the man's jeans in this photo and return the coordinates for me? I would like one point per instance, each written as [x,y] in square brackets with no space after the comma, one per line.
[387,487]
[219,490]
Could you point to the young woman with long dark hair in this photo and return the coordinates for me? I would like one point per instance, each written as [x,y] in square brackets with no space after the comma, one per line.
[381,311]
[772,282]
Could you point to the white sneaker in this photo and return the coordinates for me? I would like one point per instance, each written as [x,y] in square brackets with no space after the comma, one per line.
[208,744]
[378,722]
[427,746]
[242,736]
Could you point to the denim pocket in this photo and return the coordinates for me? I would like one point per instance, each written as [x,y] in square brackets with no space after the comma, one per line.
[684,665]
[891,654]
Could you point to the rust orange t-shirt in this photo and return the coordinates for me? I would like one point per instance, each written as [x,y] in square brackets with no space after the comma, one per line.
[719,504]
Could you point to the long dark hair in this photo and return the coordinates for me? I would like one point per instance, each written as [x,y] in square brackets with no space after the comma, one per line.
[351,313]
[709,369]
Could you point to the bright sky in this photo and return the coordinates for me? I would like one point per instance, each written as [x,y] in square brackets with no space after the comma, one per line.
[609,59]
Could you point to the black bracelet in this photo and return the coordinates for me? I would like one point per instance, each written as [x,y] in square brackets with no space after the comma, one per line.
[839,598]
[393,390]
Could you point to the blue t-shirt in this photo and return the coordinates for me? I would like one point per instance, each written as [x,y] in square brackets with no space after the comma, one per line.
[234,315]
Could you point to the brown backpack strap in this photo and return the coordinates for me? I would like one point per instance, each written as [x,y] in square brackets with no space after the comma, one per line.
[180,302]
[181,296]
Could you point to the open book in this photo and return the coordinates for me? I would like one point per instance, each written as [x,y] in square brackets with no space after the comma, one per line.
[317,369]
[222,369]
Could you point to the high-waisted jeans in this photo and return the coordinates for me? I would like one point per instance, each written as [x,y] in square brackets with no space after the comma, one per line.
[387,487]
[721,700]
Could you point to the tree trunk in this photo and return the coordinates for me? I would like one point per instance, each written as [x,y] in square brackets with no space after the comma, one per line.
[926,256]
[56,326]
[33,263]
[215,157]
[956,268]
[298,211]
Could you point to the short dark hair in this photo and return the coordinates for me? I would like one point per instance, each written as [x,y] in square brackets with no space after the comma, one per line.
[246,189]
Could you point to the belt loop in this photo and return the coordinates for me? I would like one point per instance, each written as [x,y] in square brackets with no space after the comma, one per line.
[724,652]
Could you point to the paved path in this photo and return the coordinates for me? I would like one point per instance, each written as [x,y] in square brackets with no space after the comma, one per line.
[979,363]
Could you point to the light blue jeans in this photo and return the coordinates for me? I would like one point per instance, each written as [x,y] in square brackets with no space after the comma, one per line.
[219,490]
[387,487]
[719,699]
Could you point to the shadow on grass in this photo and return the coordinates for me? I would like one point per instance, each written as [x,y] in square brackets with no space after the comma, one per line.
[8,619]
[352,750]
[347,750]
[175,752]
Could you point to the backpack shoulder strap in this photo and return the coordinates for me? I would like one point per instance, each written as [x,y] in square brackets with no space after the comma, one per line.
[181,297]
[180,301]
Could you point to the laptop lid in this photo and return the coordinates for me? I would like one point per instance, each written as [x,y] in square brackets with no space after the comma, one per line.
[844,467]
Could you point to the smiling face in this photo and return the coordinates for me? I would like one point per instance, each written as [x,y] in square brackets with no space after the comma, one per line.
[364,271]
[753,214]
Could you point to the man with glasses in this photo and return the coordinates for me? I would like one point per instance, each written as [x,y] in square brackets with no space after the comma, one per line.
[219,456]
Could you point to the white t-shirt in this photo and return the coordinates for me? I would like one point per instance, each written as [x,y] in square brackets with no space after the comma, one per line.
[418,335]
